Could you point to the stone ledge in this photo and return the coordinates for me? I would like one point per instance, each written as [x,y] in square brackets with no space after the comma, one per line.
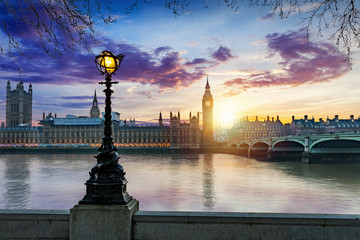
[24,214]
[247,218]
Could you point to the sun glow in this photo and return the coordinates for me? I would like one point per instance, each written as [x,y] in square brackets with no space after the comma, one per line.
[225,115]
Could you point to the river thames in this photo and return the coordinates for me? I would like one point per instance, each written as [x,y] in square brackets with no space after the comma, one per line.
[196,182]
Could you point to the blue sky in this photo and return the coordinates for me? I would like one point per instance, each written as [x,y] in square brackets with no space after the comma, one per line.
[257,64]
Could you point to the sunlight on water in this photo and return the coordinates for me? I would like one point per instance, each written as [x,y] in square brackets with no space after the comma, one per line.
[203,182]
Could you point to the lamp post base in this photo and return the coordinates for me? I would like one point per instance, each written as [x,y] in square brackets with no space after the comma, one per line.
[106,191]
[105,222]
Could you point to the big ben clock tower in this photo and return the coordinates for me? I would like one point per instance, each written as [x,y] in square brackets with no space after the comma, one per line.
[207,108]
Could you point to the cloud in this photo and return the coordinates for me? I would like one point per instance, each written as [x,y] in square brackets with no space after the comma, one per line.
[72,105]
[268,16]
[194,44]
[159,50]
[302,62]
[223,54]
[197,61]
[146,93]
[76,97]
[162,67]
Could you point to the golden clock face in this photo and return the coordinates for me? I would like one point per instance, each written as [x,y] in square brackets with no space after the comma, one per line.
[207,103]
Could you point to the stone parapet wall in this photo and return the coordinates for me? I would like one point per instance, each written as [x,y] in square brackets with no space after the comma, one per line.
[214,225]
[34,224]
[55,224]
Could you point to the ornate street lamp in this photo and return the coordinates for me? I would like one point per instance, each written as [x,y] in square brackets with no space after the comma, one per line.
[107,184]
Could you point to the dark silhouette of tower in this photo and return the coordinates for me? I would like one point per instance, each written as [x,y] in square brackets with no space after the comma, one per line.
[160,120]
[95,112]
[207,108]
[18,105]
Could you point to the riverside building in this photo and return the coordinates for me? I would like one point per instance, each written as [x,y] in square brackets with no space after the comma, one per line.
[244,130]
[18,105]
[88,130]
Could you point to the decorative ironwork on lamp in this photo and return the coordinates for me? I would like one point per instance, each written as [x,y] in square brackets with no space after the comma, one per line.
[107,183]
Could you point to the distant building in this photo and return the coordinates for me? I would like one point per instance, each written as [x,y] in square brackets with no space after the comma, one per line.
[184,135]
[71,130]
[18,105]
[244,130]
[207,108]
[88,130]
[308,126]
[24,135]
[221,134]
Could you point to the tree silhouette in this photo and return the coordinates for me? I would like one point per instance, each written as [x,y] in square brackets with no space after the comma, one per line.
[60,25]
[338,20]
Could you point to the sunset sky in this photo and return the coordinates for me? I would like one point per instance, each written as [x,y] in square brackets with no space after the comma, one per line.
[257,64]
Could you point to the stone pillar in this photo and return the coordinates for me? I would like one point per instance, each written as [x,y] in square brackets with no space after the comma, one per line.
[306,154]
[105,222]
[269,151]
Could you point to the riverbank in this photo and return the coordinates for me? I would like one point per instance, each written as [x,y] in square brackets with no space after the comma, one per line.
[122,150]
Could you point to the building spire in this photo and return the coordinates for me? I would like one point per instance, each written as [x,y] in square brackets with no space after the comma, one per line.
[95,101]
[207,82]
[160,119]
[95,98]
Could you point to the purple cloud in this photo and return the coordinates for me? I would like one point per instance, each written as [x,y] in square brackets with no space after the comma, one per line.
[268,16]
[159,50]
[166,70]
[197,61]
[77,105]
[223,54]
[303,62]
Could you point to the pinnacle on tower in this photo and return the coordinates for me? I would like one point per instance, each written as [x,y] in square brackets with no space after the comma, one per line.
[95,101]
[207,83]
[95,98]
[160,119]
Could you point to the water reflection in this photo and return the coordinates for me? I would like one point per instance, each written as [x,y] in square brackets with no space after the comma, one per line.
[208,182]
[185,183]
[17,187]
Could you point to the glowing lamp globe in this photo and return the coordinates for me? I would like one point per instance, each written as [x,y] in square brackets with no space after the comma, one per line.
[108,63]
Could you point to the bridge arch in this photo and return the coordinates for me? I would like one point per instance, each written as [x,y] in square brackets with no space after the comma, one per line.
[295,142]
[335,145]
[259,145]
[288,146]
[335,142]
[244,146]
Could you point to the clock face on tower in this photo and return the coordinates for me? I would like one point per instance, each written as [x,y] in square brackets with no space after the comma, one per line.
[207,103]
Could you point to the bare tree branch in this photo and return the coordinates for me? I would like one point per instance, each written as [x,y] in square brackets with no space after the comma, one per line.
[58,25]
[339,20]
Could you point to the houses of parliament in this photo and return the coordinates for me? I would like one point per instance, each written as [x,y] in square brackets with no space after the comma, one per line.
[88,130]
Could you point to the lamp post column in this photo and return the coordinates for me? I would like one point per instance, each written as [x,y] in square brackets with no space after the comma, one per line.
[108,140]
[106,210]
[107,183]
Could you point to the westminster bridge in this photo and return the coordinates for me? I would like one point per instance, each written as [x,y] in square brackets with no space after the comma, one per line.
[327,148]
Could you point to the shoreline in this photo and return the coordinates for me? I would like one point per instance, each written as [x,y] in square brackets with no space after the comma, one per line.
[94,150]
